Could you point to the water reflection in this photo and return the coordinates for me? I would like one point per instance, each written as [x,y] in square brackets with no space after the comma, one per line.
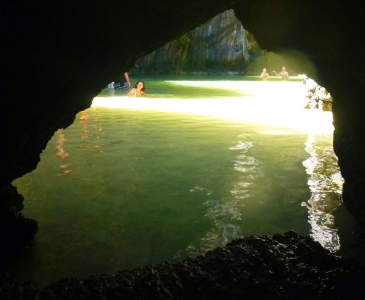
[325,183]
[59,144]
[228,211]
[225,211]
[60,140]
[147,184]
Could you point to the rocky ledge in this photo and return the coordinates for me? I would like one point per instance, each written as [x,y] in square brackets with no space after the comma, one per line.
[282,266]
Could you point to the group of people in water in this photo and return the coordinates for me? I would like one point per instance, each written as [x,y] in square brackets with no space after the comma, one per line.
[283,74]
[123,83]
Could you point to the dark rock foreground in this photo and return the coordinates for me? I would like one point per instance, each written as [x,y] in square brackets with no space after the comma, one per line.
[282,266]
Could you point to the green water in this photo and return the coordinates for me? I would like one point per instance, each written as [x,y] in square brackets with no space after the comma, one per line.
[160,86]
[123,188]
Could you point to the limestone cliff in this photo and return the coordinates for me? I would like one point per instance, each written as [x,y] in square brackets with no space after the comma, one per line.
[219,46]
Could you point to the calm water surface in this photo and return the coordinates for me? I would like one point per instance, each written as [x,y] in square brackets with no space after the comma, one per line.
[194,165]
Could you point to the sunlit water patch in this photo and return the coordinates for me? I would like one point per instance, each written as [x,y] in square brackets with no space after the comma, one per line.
[325,182]
[141,181]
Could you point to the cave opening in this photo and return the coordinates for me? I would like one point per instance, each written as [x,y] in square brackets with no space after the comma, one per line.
[200,161]
[348,138]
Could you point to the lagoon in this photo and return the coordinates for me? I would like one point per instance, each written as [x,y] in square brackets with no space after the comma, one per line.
[198,162]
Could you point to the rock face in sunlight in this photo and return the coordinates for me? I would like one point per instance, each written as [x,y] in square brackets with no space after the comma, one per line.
[219,46]
[57,55]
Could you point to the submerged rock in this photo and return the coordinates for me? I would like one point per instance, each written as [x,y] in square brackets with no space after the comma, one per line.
[282,266]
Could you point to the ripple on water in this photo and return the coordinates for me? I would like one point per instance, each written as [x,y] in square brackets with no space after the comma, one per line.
[246,160]
[241,146]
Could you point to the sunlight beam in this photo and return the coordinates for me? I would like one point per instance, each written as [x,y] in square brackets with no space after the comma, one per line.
[280,104]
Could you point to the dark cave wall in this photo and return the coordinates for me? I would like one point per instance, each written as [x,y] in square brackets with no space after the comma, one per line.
[56,56]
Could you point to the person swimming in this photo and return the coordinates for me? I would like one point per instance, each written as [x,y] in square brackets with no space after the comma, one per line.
[138,90]
[264,75]
[122,83]
[283,74]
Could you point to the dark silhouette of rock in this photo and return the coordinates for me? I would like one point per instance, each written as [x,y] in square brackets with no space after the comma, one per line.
[282,266]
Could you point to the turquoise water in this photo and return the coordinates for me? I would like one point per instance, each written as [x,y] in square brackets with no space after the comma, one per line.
[125,187]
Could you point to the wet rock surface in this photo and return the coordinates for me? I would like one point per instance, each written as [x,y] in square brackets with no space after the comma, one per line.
[282,266]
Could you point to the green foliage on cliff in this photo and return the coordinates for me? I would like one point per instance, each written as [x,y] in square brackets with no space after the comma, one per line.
[182,40]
